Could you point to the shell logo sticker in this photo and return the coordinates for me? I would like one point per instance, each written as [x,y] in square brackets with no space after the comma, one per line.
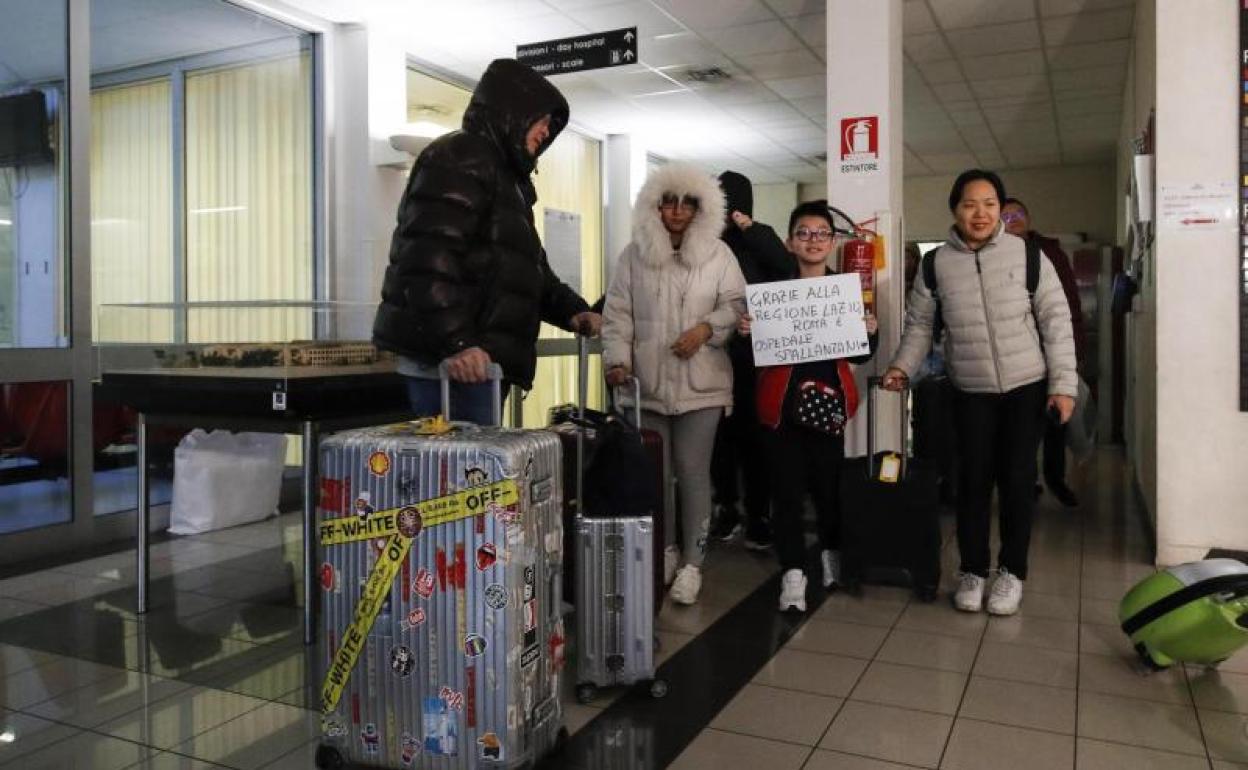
[379,463]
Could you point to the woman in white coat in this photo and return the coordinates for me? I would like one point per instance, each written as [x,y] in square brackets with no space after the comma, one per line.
[674,300]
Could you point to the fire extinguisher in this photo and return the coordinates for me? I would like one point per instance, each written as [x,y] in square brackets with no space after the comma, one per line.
[858,255]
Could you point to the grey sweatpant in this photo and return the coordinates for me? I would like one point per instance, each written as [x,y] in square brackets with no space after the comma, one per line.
[688,440]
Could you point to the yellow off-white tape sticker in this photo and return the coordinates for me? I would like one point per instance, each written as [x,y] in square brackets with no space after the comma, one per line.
[400,525]
[410,519]
[374,595]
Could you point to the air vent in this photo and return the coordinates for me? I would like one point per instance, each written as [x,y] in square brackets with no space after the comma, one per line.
[708,76]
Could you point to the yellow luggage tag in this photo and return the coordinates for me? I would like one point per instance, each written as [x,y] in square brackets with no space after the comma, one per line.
[431,426]
[890,468]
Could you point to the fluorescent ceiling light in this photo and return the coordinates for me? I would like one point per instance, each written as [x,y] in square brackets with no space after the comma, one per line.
[8,736]
[6,222]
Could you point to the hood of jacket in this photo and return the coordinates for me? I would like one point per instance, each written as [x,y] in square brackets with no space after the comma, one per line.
[701,237]
[510,98]
[738,192]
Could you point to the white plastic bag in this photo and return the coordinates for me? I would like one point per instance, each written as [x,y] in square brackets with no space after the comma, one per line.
[1081,429]
[223,479]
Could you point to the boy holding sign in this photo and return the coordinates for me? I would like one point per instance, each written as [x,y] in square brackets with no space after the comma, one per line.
[804,400]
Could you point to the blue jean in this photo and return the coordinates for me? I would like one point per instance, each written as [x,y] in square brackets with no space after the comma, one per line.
[469,402]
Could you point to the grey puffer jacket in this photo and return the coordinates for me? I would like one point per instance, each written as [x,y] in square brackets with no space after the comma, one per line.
[992,345]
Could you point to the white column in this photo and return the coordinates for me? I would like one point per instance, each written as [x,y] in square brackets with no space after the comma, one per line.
[865,165]
[626,172]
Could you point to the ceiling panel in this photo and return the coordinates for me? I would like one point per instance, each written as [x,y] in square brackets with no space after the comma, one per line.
[1062,7]
[945,71]
[649,20]
[916,17]
[765,113]
[767,37]
[797,7]
[1088,28]
[1089,77]
[999,38]
[1111,53]
[1004,65]
[952,14]
[813,30]
[721,13]
[926,47]
[799,87]
[1010,87]
[773,66]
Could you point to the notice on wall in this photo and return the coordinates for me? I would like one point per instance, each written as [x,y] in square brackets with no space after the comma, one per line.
[1197,206]
[563,245]
[808,319]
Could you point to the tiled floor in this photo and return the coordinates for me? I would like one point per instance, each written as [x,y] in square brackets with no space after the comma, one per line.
[215,676]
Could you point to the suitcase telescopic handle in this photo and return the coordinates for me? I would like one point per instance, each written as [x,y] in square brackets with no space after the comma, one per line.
[874,385]
[493,372]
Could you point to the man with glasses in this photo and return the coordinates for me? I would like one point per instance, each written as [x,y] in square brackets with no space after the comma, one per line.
[1018,222]
[762,258]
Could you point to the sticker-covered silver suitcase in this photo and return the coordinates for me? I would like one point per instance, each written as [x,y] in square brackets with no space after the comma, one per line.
[441,636]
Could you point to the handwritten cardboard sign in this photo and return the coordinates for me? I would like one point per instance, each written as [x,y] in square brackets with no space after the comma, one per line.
[807,319]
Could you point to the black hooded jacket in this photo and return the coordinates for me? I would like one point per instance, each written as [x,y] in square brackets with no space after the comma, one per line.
[466,265]
[761,253]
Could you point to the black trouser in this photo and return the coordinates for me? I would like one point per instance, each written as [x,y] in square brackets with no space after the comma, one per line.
[998,435]
[1054,454]
[739,444]
[804,461]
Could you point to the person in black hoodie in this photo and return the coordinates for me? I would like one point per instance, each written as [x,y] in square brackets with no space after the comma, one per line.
[468,281]
[803,457]
[738,444]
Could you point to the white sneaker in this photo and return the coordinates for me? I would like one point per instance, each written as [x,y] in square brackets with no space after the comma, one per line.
[1006,594]
[687,585]
[970,594]
[831,568]
[671,560]
[793,591]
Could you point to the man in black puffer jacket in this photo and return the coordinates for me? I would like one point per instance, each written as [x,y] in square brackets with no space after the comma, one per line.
[468,280]
[738,444]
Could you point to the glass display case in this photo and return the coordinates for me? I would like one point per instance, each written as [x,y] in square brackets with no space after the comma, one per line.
[245,357]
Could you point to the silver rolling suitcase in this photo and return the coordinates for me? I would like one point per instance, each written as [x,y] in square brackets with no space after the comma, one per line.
[441,638]
[614,562]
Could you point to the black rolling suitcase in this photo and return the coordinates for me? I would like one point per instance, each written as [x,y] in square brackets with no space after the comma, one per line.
[935,440]
[890,530]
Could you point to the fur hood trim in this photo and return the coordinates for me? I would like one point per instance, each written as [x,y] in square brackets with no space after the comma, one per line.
[703,234]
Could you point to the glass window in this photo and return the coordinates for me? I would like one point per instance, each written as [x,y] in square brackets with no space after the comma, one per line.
[249,191]
[34,455]
[201,160]
[32,87]
[132,200]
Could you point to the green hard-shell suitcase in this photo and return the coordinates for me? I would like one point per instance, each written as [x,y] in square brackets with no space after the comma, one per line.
[1191,613]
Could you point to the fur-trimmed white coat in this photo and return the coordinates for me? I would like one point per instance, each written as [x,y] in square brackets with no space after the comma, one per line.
[657,293]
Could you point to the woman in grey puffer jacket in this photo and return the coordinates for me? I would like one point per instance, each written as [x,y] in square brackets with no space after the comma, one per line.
[1009,355]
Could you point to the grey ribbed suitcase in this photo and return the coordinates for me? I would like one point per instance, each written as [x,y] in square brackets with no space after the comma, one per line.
[614,604]
[460,666]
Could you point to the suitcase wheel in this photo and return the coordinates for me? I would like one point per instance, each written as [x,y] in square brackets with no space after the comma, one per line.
[927,594]
[329,758]
[586,692]
[658,688]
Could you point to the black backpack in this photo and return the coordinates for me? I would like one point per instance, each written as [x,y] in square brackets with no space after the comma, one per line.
[1032,281]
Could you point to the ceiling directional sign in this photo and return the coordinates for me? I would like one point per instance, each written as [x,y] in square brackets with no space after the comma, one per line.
[586,52]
